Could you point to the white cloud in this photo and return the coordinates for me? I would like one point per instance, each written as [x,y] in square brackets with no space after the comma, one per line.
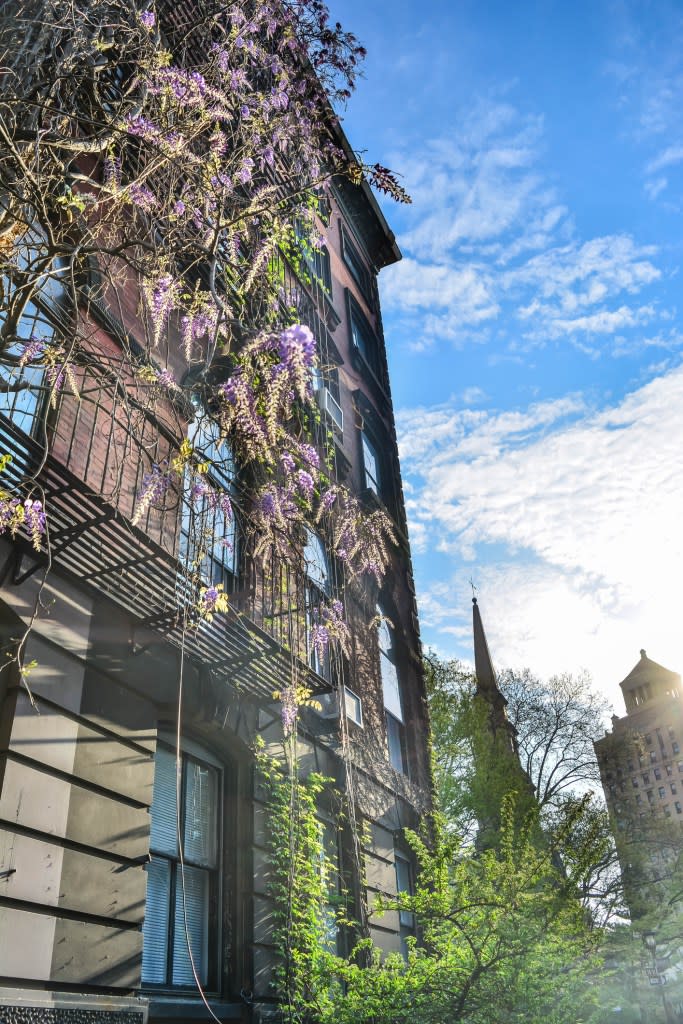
[670,155]
[589,501]
[491,242]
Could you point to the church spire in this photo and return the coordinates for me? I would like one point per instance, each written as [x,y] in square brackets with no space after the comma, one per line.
[487,683]
[483,666]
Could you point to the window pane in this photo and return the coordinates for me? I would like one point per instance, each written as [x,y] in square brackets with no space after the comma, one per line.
[164,827]
[155,928]
[371,466]
[395,741]
[200,814]
[194,914]
[404,883]
[316,565]
[390,687]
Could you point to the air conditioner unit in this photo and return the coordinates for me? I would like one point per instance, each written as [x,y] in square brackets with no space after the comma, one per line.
[329,706]
[331,408]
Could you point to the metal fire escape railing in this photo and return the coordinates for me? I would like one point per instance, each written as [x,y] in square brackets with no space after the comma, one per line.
[254,646]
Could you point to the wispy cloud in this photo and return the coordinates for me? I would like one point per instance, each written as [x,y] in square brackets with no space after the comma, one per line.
[581,506]
[491,243]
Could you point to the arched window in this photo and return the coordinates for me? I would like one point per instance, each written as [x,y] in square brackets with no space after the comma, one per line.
[182,898]
[209,541]
[20,392]
[391,691]
[318,589]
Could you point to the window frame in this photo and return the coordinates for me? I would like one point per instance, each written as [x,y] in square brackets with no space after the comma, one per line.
[317,594]
[190,753]
[406,918]
[225,569]
[46,311]
[356,265]
[370,449]
[392,698]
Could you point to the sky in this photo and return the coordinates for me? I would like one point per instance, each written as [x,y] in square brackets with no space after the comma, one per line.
[534,326]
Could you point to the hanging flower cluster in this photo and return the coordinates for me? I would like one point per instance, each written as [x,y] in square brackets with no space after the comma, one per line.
[212,600]
[328,625]
[16,515]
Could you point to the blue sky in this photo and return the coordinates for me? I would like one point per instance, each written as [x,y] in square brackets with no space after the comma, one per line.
[534,325]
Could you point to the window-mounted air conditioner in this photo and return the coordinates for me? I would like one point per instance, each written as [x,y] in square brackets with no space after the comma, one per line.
[331,408]
[353,706]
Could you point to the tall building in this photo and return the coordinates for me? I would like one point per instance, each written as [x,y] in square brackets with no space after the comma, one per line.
[97,905]
[641,767]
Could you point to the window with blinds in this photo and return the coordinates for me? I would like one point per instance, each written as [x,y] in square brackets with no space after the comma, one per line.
[181,922]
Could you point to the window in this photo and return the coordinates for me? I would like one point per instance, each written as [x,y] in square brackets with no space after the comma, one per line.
[181,905]
[208,538]
[635,783]
[675,747]
[667,812]
[331,876]
[371,471]
[646,778]
[391,690]
[639,798]
[37,321]
[669,770]
[653,757]
[317,594]
[662,792]
[404,883]
[680,766]
[364,341]
[650,796]
[357,266]
[678,807]
[630,764]
[658,773]
[673,788]
[648,738]
[316,260]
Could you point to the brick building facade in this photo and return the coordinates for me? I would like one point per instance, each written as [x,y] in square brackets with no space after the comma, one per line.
[91,922]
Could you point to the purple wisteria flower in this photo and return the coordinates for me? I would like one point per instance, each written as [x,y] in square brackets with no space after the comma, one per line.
[287,462]
[8,514]
[55,376]
[142,197]
[211,600]
[319,638]
[142,128]
[33,349]
[179,208]
[328,499]
[148,19]
[309,455]
[288,710]
[153,489]
[297,346]
[244,173]
[165,379]
[34,518]
[305,483]
[161,298]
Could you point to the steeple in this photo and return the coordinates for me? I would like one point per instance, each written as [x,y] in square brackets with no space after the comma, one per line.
[487,683]
[483,666]
[498,769]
